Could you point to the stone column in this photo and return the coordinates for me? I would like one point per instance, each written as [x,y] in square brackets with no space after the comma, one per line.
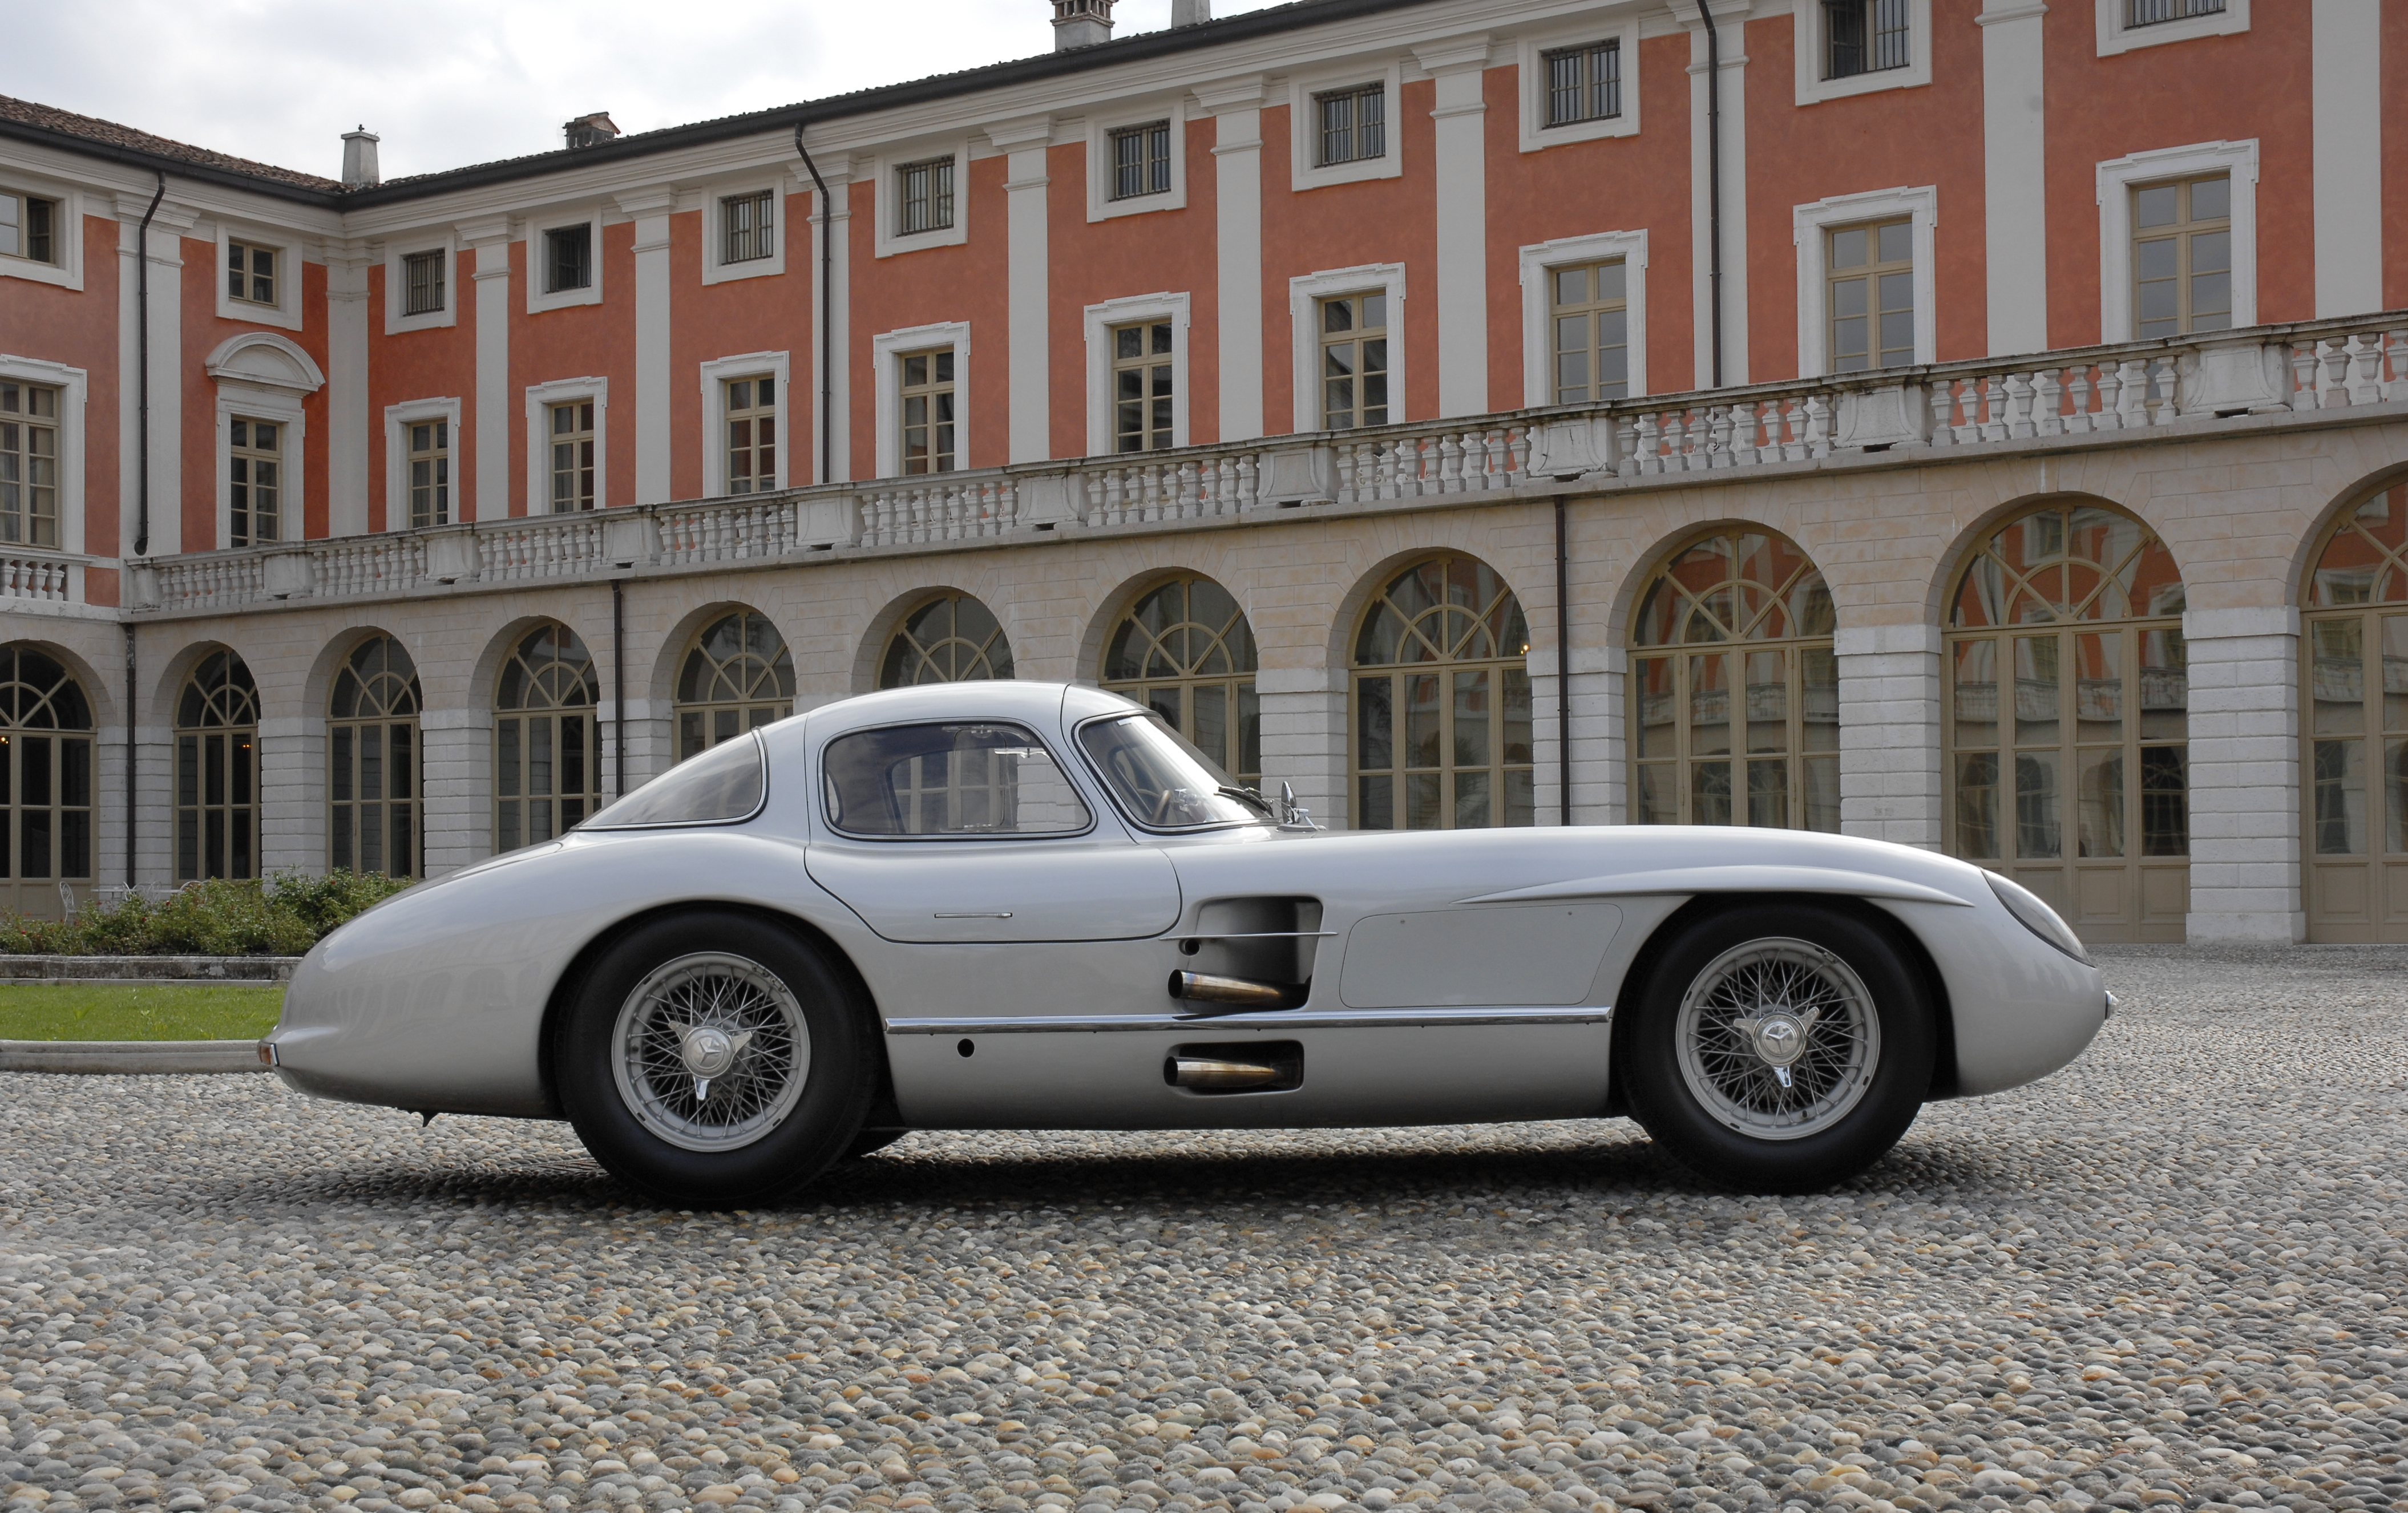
[165,255]
[456,750]
[832,454]
[650,209]
[1236,108]
[1596,735]
[291,795]
[1304,739]
[2013,175]
[1462,209]
[2244,775]
[488,494]
[2345,99]
[347,390]
[1029,405]
[1890,786]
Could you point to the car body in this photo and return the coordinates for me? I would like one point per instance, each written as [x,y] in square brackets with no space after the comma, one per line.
[1019,979]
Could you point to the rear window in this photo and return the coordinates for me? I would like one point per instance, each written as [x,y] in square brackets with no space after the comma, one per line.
[724,783]
[956,778]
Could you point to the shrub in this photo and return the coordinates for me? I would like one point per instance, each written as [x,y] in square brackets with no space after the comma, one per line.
[221,917]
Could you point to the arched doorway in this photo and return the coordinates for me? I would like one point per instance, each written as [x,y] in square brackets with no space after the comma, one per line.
[217,771]
[1440,737]
[372,744]
[46,782]
[547,748]
[2354,730]
[952,638]
[2067,733]
[737,677]
[1184,650]
[1739,612]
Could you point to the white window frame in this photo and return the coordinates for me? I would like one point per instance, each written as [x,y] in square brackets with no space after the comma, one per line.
[1808,225]
[247,390]
[1811,43]
[67,273]
[1532,51]
[398,419]
[538,300]
[1304,127]
[1101,320]
[1100,126]
[286,311]
[2114,36]
[75,389]
[2116,179]
[885,241]
[1539,306]
[541,397]
[888,346]
[1304,296]
[715,375]
[396,282]
[715,268]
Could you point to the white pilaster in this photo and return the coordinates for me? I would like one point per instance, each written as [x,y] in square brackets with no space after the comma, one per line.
[2244,775]
[1030,402]
[166,258]
[2346,94]
[1461,208]
[1304,739]
[650,209]
[292,796]
[831,453]
[455,751]
[347,391]
[1596,735]
[1236,107]
[489,498]
[2015,175]
[1889,732]
[1730,17]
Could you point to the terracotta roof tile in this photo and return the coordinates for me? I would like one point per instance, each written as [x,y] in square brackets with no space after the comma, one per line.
[68,124]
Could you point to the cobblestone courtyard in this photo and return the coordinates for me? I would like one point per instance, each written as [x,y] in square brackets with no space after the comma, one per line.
[2176,1273]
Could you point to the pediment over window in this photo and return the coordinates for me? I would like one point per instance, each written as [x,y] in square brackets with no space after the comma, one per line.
[268,360]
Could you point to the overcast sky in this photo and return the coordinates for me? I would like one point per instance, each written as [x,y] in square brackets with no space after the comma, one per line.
[449,82]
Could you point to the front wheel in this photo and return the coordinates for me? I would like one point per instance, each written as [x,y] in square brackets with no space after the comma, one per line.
[714,1060]
[1781,1048]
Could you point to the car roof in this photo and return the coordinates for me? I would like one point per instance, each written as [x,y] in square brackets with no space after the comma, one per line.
[1042,704]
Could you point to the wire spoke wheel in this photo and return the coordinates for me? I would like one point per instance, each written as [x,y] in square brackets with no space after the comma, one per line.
[1778,1038]
[710,1051]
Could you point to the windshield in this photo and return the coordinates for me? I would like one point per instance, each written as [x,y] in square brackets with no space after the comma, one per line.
[1161,779]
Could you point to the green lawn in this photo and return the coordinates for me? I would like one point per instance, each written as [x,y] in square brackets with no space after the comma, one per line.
[132,1011]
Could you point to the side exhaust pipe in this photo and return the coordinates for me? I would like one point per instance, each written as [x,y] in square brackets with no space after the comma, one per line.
[1213,1076]
[1232,995]
[1236,1066]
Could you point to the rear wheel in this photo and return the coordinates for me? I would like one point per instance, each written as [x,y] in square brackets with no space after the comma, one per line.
[714,1060]
[1781,1049]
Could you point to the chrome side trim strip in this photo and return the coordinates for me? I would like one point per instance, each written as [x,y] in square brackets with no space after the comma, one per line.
[1290,1018]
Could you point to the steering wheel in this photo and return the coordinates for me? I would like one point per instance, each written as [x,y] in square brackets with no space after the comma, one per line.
[1162,806]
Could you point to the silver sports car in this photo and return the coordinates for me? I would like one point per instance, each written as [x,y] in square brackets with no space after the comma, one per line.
[1016,905]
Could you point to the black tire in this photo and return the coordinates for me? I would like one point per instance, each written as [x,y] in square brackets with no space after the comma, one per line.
[871,1141]
[1729,1114]
[634,1103]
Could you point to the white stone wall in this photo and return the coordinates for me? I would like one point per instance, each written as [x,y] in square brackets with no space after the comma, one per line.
[2244,775]
[1889,732]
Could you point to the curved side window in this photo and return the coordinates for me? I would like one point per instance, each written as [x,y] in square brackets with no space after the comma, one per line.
[725,784]
[949,779]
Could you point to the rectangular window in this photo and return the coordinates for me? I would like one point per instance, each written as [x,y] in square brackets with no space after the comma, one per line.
[2150,12]
[430,473]
[1871,296]
[752,435]
[746,233]
[925,196]
[1142,386]
[1864,36]
[568,259]
[256,460]
[927,410]
[250,273]
[1141,161]
[421,282]
[2181,257]
[1592,338]
[572,456]
[1354,123]
[1584,83]
[29,227]
[29,464]
[1354,361]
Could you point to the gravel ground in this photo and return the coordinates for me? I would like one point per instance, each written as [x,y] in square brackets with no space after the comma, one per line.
[2173,1274]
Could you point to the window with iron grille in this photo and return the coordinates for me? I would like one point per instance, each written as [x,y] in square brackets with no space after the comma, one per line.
[430,473]
[1871,296]
[250,273]
[568,259]
[1865,37]
[925,196]
[1353,124]
[29,466]
[421,282]
[1584,83]
[1141,161]
[1354,361]
[746,231]
[2150,12]
[29,227]
[752,434]
[572,456]
[256,474]
[1143,386]
[927,395]
[2181,257]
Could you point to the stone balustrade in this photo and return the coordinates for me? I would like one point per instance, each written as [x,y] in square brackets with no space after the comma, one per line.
[49,579]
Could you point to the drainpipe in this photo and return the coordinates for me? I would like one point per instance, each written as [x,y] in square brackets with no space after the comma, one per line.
[827,312]
[129,756]
[619,679]
[1714,177]
[1563,673]
[141,484]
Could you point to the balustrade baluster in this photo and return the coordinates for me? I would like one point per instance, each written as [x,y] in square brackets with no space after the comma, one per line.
[1994,408]
[1818,426]
[2304,376]
[1718,437]
[2048,401]
[2020,424]
[2131,394]
[2366,369]
[1942,395]
[2166,379]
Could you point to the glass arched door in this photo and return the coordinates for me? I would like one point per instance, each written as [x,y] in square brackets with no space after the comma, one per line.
[217,771]
[952,638]
[46,782]
[372,769]
[1441,732]
[547,748]
[737,677]
[1184,650]
[2354,730]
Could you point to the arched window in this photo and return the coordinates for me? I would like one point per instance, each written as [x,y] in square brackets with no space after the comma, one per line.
[547,750]
[1185,651]
[951,640]
[2067,730]
[737,677]
[2354,729]
[1740,611]
[217,771]
[372,767]
[1442,727]
[45,782]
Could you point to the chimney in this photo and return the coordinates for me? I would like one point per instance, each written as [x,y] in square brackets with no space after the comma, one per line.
[591,131]
[360,158]
[1082,24]
[1190,12]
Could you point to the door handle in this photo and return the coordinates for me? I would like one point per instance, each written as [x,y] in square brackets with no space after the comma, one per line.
[983,914]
